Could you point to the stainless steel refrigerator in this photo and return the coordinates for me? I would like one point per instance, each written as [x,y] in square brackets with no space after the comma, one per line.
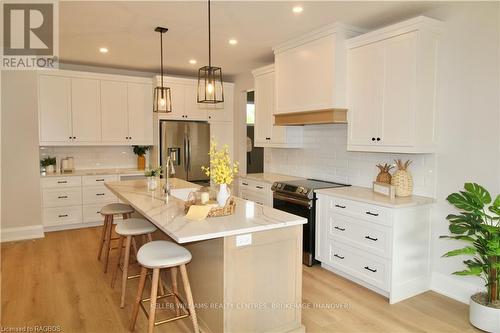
[188,144]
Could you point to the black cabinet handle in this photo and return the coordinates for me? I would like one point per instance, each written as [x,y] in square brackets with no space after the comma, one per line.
[372,214]
[98,212]
[373,139]
[62,182]
[64,215]
[372,239]
[100,194]
[339,206]
[339,228]
[259,187]
[74,137]
[246,184]
[369,269]
[209,117]
[99,180]
[268,138]
[378,139]
[340,257]
[62,197]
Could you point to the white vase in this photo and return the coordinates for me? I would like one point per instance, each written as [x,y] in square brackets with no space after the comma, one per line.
[152,183]
[222,195]
[49,169]
[484,317]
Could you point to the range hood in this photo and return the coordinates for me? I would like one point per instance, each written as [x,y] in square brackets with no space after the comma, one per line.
[330,116]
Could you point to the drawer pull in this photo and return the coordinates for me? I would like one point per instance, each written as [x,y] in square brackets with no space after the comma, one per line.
[64,215]
[259,187]
[62,181]
[339,206]
[340,257]
[372,214]
[259,203]
[62,197]
[100,194]
[99,180]
[246,184]
[372,239]
[370,269]
[98,212]
[339,228]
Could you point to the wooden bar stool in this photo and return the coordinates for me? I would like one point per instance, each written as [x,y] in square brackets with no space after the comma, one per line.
[127,230]
[109,211]
[156,255]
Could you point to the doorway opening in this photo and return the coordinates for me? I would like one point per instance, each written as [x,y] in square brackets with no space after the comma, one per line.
[255,155]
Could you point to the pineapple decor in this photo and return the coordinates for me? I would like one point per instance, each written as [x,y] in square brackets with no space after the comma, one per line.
[402,179]
[384,176]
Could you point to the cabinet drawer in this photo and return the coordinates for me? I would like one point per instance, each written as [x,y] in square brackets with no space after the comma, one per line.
[92,213]
[97,194]
[364,266]
[61,182]
[254,186]
[97,180]
[62,215]
[355,208]
[55,197]
[366,235]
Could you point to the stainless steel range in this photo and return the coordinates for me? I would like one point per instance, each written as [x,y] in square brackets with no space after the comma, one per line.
[298,197]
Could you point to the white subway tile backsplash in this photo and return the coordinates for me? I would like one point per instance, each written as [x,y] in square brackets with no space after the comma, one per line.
[325,156]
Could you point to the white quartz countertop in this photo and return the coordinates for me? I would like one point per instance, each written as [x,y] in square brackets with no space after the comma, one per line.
[268,177]
[365,194]
[95,172]
[169,216]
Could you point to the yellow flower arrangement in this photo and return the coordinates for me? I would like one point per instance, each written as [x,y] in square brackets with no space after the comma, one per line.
[221,170]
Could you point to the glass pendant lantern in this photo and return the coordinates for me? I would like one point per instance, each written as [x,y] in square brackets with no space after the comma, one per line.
[162,97]
[210,88]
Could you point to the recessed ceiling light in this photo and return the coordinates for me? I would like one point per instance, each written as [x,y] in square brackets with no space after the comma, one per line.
[297,9]
[192,61]
[233,41]
[103,49]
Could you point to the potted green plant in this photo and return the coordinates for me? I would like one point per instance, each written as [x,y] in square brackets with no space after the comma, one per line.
[153,175]
[140,151]
[49,164]
[477,224]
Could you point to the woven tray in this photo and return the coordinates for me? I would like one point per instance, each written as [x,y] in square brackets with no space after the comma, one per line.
[228,209]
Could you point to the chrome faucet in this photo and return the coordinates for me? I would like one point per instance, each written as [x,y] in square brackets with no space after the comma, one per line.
[168,169]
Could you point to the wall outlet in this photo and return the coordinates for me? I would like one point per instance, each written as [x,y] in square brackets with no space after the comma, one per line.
[243,240]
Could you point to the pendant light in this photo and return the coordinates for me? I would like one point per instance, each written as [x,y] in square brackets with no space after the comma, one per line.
[210,89]
[162,96]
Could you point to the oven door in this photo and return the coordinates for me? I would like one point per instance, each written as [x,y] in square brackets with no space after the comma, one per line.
[303,208]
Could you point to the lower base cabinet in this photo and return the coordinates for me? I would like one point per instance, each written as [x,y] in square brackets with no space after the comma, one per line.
[384,249]
[258,192]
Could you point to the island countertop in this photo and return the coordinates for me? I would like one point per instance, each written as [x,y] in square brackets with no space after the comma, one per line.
[169,216]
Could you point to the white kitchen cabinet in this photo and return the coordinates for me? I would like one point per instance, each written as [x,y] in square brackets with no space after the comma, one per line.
[114,111]
[85,110]
[54,104]
[194,111]
[258,192]
[266,134]
[391,88]
[310,70]
[140,108]
[385,249]
[222,111]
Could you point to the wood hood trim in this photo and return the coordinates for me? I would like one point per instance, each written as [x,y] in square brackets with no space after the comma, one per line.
[331,116]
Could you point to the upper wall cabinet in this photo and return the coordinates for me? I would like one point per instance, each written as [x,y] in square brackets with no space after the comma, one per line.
[392,88]
[310,70]
[77,108]
[265,133]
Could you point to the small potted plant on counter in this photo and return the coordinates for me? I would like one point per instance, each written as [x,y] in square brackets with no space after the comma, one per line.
[48,164]
[477,224]
[153,175]
[221,171]
[140,151]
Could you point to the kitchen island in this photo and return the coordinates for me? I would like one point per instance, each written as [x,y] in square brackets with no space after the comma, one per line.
[246,271]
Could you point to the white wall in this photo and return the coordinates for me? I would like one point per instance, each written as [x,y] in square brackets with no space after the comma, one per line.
[20,173]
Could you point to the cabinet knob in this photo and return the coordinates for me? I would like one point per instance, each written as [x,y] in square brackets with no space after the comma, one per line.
[209,117]
[373,139]
[268,138]
[378,139]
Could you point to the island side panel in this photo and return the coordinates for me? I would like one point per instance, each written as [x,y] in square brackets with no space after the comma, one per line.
[263,282]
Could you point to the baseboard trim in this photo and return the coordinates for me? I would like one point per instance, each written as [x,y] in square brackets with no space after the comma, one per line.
[21,233]
[51,228]
[454,288]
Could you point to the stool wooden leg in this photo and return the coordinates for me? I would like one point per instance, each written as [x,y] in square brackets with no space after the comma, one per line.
[150,238]
[140,289]
[108,242]
[152,302]
[175,289]
[125,270]
[126,216]
[117,267]
[134,246]
[103,237]
[189,296]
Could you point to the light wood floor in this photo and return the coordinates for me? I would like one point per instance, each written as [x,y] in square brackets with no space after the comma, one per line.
[58,281]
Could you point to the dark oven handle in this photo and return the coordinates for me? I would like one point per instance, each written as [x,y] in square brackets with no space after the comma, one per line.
[305,203]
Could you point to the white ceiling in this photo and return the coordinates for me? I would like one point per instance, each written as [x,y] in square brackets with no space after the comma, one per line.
[126,28]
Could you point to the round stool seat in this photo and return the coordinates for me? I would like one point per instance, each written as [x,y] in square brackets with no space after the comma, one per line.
[134,227]
[116,208]
[162,254]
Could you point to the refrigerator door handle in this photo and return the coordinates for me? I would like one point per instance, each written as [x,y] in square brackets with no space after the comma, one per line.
[186,154]
[189,154]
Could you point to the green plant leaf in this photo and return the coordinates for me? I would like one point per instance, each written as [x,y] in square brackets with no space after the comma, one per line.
[464,201]
[473,271]
[478,192]
[464,251]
